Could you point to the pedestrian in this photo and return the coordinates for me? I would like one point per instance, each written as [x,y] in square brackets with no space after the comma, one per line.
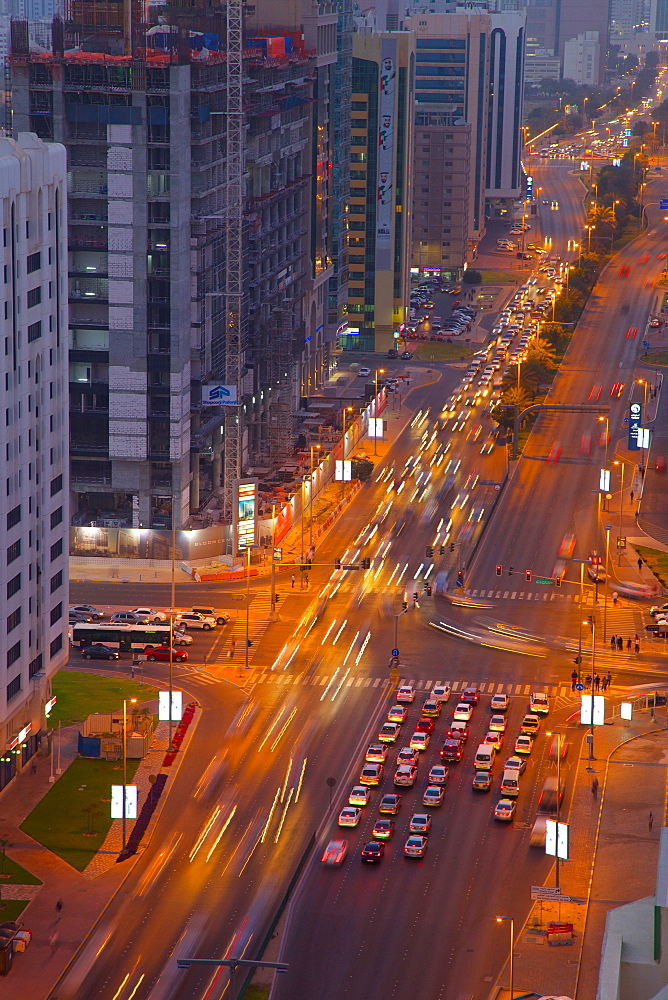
[620,643]
[613,641]
[594,788]
[588,681]
[637,638]
[293,581]
[615,597]
[59,907]
[231,651]
[53,941]
[632,496]
[637,648]
[574,679]
[639,562]
[604,683]
[628,645]
[608,677]
[641,470]
[650,821]
[597,682]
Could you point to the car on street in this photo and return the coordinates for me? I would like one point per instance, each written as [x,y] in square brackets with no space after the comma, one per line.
[222,618]
[504,810]
[150,614]
[376,753]
[463,712]
[364,372]
[88,610]
[373,852]
[431,708]
[415,846]
[530,724]
[515,764]
[405,775]
[407,755]
[372,774]
[390,804]
[406,694]
[523,744]
[181,638]
[458,731]
[482,781]
[349,816]
[438,775]
[494,737]
[406,355]
[440,692]
[451,751]
[78,618]
[498,723]
[389,732]
[383,829]
[359,795]
[397,713]
[470,695]
[161,653]
[424,725]
[433,795]
[128,618]
[191,620]
[539,703]
[420,741]
[335,853]
[98,651]
[420,823]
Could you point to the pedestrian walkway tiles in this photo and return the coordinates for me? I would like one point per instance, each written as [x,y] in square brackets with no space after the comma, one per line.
[258,622]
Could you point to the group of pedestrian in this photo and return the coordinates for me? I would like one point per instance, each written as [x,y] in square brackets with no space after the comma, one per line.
[599,683]
[617,643]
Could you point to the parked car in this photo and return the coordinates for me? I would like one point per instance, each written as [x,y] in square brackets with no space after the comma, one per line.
[191,620]
[98,651]
[162,653]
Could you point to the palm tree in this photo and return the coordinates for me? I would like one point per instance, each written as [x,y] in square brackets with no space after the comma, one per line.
[541,352]
[601,213]
[516,397]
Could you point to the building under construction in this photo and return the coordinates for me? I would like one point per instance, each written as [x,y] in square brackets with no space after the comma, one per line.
[190,141]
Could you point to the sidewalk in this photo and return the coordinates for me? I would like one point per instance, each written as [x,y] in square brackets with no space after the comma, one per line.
[613,856]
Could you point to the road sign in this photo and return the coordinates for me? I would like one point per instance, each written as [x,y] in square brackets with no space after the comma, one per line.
[546,581]
[395,652]
[351,566]
[547,892]
[635,418]
[645,344]
[621,541]
[579,687]
[663,204]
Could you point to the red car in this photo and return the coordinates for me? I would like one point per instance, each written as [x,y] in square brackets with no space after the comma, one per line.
[424,725]
[162,653]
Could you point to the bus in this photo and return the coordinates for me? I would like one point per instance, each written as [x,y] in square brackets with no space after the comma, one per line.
[122,636]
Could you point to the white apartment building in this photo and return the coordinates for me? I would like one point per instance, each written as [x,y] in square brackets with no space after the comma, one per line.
[582,56]
[34,447]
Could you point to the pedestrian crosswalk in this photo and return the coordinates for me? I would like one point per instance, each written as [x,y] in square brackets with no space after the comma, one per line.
[258,622]
[510,688]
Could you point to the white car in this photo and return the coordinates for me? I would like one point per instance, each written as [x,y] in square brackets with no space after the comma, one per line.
[359,795]
[349,816]
[415,846]
[364,373]
[463,712]
[406,694]
[498,723]
[438,775]
[539,703]
[420,741]
[515,764]
[440,692]
[150,613]
[433,795]
[191,620]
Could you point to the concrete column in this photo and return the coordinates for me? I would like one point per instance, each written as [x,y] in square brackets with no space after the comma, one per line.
[194,482]
[216,466]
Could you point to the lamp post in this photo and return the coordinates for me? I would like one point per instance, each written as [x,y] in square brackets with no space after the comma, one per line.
[125,758]
[607,576]
[607,435]
[621,509]
[643,382]
[311,491]
[346,409]
[273,562]
[589,232]
[559,738]
[511,921]
[172,612]
[641,208]
[581,622]
[375,408]
[592,624]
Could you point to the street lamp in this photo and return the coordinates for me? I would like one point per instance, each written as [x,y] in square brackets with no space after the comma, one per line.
[346,409]
[621,507]
[511,921]
[378,371]
[592,624]
[311,491]
[607,435]
[589,232]
[559,737]
[125,758]
[645,384]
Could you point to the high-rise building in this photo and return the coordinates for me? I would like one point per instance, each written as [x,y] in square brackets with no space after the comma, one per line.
[200,250]
[337,314]
[582,57]
[551,23]
[33,440]
[503,172]
[380,188]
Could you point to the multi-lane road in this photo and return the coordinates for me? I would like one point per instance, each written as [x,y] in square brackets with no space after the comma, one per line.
[253,791]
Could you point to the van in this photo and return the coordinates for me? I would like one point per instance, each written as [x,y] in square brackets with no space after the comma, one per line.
[550,797]
[530,725]
[484,757]
[510,783]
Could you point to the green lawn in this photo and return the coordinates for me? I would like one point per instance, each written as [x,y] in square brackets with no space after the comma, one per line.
[11,909]
[500,277]
[256,993]
[433,351]
[14,874]
[80,694]
[73,818]
[656,560]
[657,358]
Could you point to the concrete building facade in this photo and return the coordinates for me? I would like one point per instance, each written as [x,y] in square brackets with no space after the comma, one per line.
[582,58]
[34,439]
[503,172]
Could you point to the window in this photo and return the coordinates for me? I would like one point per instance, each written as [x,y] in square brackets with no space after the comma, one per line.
[34,296]
[56,646]
[56,549]
[35,666]
[14,551]
[34,331]
[56,613]
[13,653]
[56,517]
[56,485]
[13,585]
[13,620]
[14,687]
[56,581]
[34,262]
[13,517]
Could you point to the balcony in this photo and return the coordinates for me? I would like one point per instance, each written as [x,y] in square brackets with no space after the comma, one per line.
[89,289]
[87,183]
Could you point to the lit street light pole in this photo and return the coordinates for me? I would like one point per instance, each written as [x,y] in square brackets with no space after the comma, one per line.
[559,737]
[621,510]
[512,949]
[125,762]
[375,407]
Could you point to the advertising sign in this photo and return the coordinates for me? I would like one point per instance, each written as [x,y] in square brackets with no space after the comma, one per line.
[219,395]
[130,801]
[244,513]
[342,471]
[163,706]
[635,417]
[384,197]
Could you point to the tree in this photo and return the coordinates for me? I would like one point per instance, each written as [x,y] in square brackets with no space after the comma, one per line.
[641,128]
[602,214]
[361,468]
[472,277]
[542,353]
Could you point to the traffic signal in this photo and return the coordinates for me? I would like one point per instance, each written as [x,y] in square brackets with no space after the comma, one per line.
[499,569]
[452,546]
[557,581]
[528,576]
[441,551]
[366,563]
[415,596]
[405,605]
[429,552]
[510,571]
[428,589]
[337,564]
